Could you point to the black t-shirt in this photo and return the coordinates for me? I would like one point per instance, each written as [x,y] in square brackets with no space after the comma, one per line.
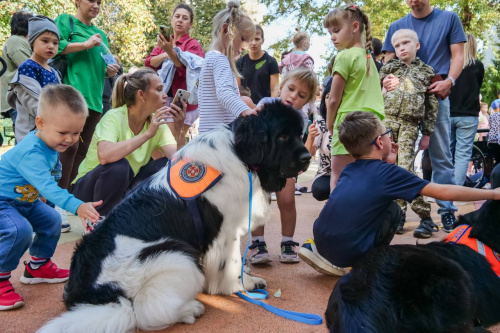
[464,97]
[349,222]
[257,75]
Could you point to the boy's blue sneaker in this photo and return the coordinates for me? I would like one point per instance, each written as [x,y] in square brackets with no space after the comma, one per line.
[425,229]
[310,255]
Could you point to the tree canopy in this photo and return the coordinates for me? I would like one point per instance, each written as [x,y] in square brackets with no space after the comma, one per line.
[131,25]
[477,16]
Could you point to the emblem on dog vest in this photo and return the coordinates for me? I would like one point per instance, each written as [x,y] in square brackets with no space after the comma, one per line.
[188,180]
[461,236]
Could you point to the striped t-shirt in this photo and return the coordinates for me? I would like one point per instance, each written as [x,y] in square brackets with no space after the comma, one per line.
[219,100]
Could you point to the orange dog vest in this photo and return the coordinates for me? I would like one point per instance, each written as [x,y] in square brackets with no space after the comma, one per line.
[461,236]
[188,180]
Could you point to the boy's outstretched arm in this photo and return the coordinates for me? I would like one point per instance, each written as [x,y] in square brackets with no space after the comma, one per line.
[459,193]
[87,211]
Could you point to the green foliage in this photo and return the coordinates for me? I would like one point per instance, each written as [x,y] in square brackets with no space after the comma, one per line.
[49,8]
[477,16]
[131,25]
[491,82]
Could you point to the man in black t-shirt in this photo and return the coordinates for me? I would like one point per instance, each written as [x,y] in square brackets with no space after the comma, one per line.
[259,70]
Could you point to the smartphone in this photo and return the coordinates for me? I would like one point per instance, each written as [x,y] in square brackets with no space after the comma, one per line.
[181,94]
[165,31]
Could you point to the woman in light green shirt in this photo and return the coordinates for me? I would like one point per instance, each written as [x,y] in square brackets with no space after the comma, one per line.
[86,72]
[120,154]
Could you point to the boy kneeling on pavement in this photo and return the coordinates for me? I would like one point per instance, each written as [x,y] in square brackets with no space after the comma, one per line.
[25,175]
[360,213]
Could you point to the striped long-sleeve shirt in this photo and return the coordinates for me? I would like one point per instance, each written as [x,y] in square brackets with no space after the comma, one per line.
[219,100]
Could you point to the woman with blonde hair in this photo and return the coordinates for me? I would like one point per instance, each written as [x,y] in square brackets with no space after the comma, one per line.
[464,109]
[119,155]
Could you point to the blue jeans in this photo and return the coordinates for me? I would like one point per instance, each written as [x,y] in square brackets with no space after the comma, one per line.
[463,131]
[440,154]
[18,220]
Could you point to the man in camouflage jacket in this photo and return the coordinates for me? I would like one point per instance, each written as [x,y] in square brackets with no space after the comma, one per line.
[408,108]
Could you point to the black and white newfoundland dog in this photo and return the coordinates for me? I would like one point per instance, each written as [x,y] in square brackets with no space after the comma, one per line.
[144,265]
[441,287]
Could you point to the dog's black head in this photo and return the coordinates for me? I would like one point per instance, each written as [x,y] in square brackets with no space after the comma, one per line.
[485,224]
[271,144]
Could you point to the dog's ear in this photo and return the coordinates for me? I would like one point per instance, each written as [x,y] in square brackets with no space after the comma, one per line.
[485,224]
[250,139]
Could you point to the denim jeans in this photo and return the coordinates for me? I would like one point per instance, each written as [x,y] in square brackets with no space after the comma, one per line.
[463,131]
[18,221]
[440,154]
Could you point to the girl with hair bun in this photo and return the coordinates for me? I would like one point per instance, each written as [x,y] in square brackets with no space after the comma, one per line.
[119,155]
[298,56]
[355,85]
[219,99]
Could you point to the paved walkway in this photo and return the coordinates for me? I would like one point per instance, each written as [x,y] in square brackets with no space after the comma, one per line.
[303,289]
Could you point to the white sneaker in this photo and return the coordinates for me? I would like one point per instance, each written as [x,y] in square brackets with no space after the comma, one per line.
[65,226]
[309,254]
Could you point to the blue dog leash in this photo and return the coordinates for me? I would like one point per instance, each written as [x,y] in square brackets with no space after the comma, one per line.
[258,294]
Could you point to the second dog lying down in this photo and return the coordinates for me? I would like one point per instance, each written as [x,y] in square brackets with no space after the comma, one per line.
[438,287]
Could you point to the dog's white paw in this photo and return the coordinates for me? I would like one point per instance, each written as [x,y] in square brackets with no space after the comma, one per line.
[253,282]
[246,269]
[190,311]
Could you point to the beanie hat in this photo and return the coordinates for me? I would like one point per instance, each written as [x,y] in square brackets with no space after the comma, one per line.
[39,24]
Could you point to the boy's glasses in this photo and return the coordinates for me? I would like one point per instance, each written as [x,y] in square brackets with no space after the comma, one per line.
[389,133]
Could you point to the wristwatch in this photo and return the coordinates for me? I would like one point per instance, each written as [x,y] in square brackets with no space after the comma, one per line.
[452,80]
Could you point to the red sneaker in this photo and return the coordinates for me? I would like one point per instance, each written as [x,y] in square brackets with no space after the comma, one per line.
[9,299]
[48,273]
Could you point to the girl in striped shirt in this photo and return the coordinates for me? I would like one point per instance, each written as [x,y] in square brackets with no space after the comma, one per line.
[219,101]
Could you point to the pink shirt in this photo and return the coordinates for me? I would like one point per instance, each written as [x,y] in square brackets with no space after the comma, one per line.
[185,43]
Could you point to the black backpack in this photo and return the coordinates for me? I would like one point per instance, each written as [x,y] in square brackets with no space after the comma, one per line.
[60,63]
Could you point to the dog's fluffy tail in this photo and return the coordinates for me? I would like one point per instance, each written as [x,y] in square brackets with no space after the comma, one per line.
[107,318]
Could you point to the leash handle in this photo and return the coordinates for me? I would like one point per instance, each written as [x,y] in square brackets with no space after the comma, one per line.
[258,294]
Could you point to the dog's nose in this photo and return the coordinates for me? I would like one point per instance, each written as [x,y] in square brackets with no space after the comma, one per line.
[305,157]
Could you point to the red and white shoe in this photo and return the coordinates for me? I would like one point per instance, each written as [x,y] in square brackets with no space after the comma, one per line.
[9,299]
[48,273]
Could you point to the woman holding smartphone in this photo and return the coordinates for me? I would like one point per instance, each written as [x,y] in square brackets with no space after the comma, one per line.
[120,153]
[182,21]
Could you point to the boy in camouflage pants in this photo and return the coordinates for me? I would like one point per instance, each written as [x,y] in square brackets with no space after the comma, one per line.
[408,107]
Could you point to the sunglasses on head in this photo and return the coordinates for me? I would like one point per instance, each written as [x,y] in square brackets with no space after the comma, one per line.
[389,133]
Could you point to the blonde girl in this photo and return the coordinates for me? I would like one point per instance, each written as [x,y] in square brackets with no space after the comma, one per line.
[297,88]
[219,99]
[298,56]
[355,85]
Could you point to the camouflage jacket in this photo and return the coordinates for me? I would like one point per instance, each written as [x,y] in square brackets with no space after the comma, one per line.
[410,101]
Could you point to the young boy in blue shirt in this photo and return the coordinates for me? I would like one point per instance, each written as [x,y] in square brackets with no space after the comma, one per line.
[361,213]
[25,176]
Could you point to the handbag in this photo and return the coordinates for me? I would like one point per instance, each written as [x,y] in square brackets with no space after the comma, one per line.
[60,63]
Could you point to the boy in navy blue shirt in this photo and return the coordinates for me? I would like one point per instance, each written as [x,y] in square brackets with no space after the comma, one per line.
[361,213]
[25,176]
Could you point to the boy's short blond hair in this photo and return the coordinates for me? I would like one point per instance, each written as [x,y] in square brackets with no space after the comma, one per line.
[408,33]
[357,132]
[305,75]
[54,95]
